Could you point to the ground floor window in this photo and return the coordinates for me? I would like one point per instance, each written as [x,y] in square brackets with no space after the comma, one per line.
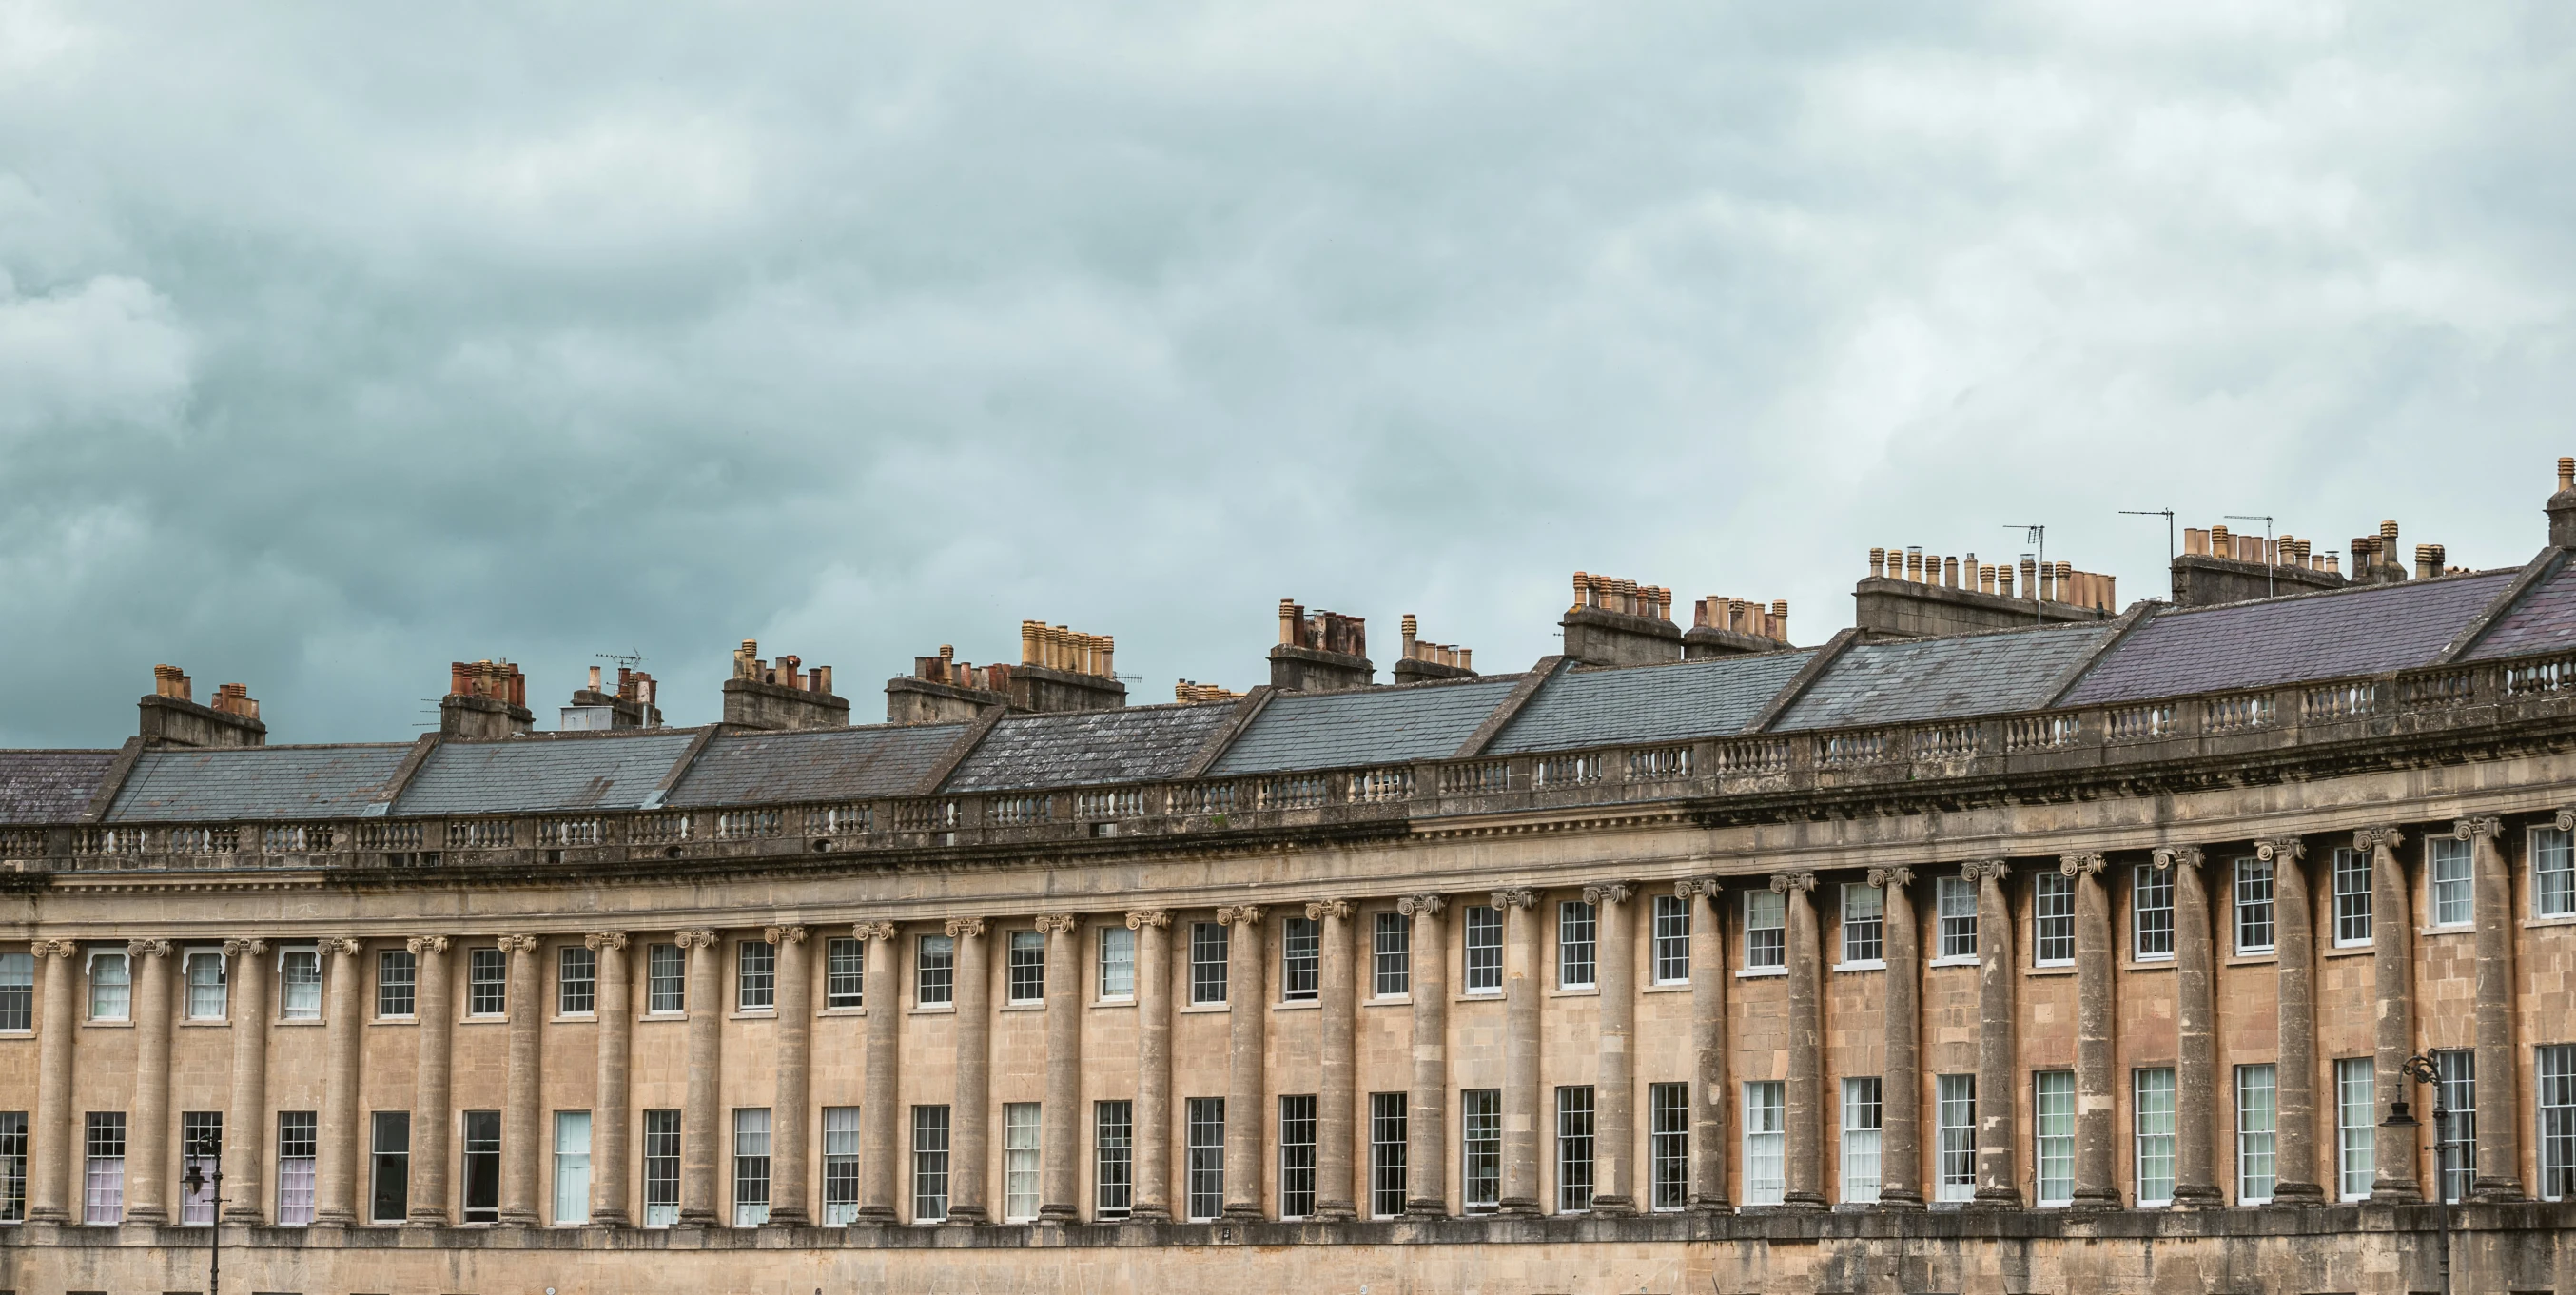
[2153,1107]
[1297,1155]
[1480,1129]
[1955,1132]
[840,1164]
[1113,1164]
[1206,1170]
[1668,1146]
[1862,1120]
[929,1164]
[1765,1136]
[1386,1154]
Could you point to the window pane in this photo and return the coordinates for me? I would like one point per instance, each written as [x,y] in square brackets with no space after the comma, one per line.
[394,974]
[1484,948]
[929,1164]
[1955,1129]
[2052,919]
[840,1164]
[17,991]
[934,964]
[1019,1161]
[1672,940]
[299,985]
[2557,1121]
[2458,1068]
[1386,1154]
[1862,1119]
[572,1165]
[666,979]
[111,990]
[2256,1131]
[2553,872]
[1668,1144]
[2351,896]
[1026,978]
[1113,1140]
[1957,898]
[298,1143]
[1117,962]
[1392,956]
[1766,929]
[1575,923]
[2053,1140]
[482,1162]
[2356,1097]
[2154,1107]
[103,1182]
[1206,1163]
[755,976]
[1207,962]
[1573,1148]
[845,967]
[1297,1155]
[661,1168]
[2151,910]
[205,986]
[389,1173]
[13,1167]
[1864,923]
[1300,959]
[2448,858]
[576,980]
[1765,1125]
[2253,905]
[201,1144]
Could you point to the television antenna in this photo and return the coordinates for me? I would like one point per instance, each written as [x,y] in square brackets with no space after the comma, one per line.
[2033,533]
[2168,515]
[2268,554]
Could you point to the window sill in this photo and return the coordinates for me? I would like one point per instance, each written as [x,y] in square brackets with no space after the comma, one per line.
[1099,1003]
[1669,987]
[2052,971]
[1760,973]
[2251,958]
[2556,919]
[296,1022]
[1388,1000]
[1189,1009]
[1299,1005]
[650,1018]
[482,1020]
[202,1023]
[756,1014]
[1479,996]
[1022,1007]
[2346,949]
[2159,964]
[573,1018]
[1954,960]
[1865,964]
[394,1020]
[842,1011]
[935,1009]
[1576,991]
[107,1025]
[2435,932]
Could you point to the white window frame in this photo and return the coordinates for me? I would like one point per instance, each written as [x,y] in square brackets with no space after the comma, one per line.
[1578,1147]
[2554,1121]
[1020,1142]
[1488,1122]
[1864,927]
[2346,866]
[2258,1133]
[1014,944]
[1214,971]
[2142,878]
[1954,901]
[840,1165]
[2050,888]
[2248,873]
[2145,1135]
[572,1168]
[1766,912]
[89,981]
[1671,940]
[1113,938]
[2356,1126]
[679,981]
[287,1009]
[1568,963]
[1864,1121]
[223,985]
[1469,947]
[1390,956]
[1668,1125]
[2439,853]
[1954,1143]
[2052,1138]
[921,968]
[1765,1145]
[2547,843]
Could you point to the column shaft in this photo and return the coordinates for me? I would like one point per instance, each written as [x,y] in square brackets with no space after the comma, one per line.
[1153,1115]
[2095,1184]
[49,1154]
[522,1088]
[2295,1077]
[788,1138]
[335,1168]
[1614,1141]
[246,1110]
[1426,1127]
[1803,1187]
[2195,1036]
[2498,1173]
[1060,1122]
[1520,1050]
[1998,1055]
[429,1117]
[2392,926]
[1900,1097]
[1335,1117]
[970,1158]
[147,1129]
[701,1133]
[609,1122]
[880,1124]
[1247,1016]
[1708,1044]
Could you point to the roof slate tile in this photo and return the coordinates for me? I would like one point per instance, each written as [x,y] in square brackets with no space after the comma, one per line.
[609,771]
[1331,730]
[1930,679]
[1655,703]
[815,765]
[1089,748]
[49,786]
[2544,621]
[259,782]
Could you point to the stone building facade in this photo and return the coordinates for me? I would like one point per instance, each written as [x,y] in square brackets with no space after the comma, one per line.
[2089,956]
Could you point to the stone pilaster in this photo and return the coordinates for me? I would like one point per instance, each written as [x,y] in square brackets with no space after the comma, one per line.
[246,1109]
[1247,1011]
[701,1120]
[1520,1050]
[2295,1178]
[147,1125]
[49,1154]
[2498,1175]
[1614,1109]
[881,1134]
[1708,1044]
[610,1114]
[1153,1116]
[970,1122]
[436,1018]
[1335,1099]
[1998,1056]
[1426,1127]
[1900,1137]
[788,1139]
[1803,1187]
[2195,1034]
[2096,1178]
[335,1153]
[1060,1121]
[2392,954]
[523,1087]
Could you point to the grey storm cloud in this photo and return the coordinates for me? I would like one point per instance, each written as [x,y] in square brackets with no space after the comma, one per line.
[337,343]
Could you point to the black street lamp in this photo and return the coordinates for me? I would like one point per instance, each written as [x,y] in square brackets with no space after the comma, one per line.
[197,1180]
[2421,1069]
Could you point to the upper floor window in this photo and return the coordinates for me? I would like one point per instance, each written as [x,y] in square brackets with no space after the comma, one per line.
[397,975]
[755,976]
[1301,959]
[487,982]
[1392,957]
[205,985]
[2351,897]
[2253,906]
[1208,946]
[2446,872]
[299,984]
[1027,971]
[2151,912]
[666,979]
[111,987]
[934,971]
[1576,931]
[2052,919]
[17,991]
[2553,873]
[845,973]
[1672,940]
[576,980]
[1864,923]
[1484,949]
[1956,898]
[1766,930]
[1117,962]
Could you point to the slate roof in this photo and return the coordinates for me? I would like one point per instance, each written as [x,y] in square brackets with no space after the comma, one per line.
[2286,640]
[609,771]
[1329,730]
[1661,703]
[49,786]
[1090,748]
[2543,621]
[816,765]
[1930,679]
[254,782]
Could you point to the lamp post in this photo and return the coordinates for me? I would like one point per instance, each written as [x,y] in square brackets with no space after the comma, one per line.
[197,1180]
[2421,1069]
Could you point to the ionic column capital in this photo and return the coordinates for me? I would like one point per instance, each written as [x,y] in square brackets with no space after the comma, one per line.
[2469,829]
[2290,848]
[242,948]
[1985,869]
[1058,923]
[1703,887]
[1891,878]
[700,938]
[2383,837]
[1239,915]
[2079,865]
[2177,856]
[2565,820]
[1614,892]
[1421,905]
[1514,899]
[964,926]
[147,948]
[1802,882]
[338,945]
[873,930]
[611,941]
[783,934]
[420,944]
[518,943]
[1139,919]
[53,948]
[1318,910]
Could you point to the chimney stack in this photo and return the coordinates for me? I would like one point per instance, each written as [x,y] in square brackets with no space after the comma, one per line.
[944,690]
[780,695]
[631,706]
[2562,507]
[1425,660]
[1320,652]
[1735,627]
[1186,691]
[1910,593]
[486,701]
[1616,622]
[170,717]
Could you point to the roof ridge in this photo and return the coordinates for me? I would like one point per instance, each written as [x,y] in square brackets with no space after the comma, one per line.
[1831,651]
[2128,622]
[1511,706]
[2534,572]
[2418,582]
[1247,709]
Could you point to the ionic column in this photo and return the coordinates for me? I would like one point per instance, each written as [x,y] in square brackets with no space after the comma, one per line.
[1803,1187]
[608,1125]
[1900,1085]
[1247,1012]
[523,1086]
[335,1155]
[1998,1059]
[787,1107]
[1426,1127]
[246,1111]
[1060,1122]
[1614,1142]
[147,1131]
[2392,955]
[1153,1117]
[2498,1174]
[701,1131]
[2295,1077]
[970,1157]
[49,1153]
[1520,1051]
[1708,1044]
[429,1117]
[2095,1185]
[2195,1034]
[880,1125]
[1335,1098]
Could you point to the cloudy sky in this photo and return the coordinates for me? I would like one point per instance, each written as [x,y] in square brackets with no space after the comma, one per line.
[336,345]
